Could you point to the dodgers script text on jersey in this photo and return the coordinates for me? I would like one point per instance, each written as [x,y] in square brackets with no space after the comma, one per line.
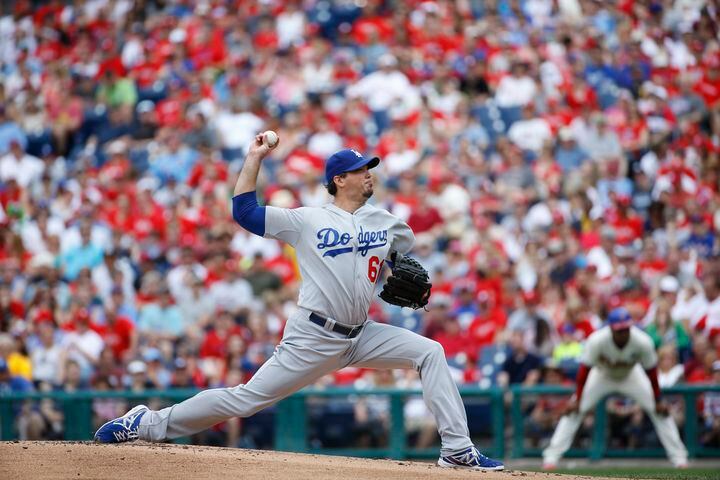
[331,238]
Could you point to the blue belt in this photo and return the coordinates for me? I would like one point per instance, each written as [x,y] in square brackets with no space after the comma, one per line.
[350,332]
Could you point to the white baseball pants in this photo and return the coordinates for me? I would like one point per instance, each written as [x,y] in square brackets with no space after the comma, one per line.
[636,386]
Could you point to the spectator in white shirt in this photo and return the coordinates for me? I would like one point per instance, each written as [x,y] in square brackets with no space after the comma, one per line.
[290,25]
[35,232]
[178,276]
[83,345]
[237,128]
[233,293]
[197,308]
[19,166]
[600,256]
[517,89]
[670,371]
[325,141]
[382,89]
[601,142]
[690,305]
[248,245]
[46,356]
[100,235]
[530,133]
[665,290]
[317,72]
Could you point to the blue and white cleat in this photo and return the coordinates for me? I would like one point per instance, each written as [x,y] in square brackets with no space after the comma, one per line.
[122,429]
[470,459]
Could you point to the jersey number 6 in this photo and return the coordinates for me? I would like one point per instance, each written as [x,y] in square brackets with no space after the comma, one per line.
[374,267]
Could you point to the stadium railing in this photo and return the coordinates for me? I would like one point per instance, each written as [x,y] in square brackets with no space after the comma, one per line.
[291,419]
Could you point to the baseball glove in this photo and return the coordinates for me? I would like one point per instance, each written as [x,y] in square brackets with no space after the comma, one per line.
[409,285]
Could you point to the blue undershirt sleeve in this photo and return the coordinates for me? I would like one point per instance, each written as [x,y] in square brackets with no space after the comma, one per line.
[248,213]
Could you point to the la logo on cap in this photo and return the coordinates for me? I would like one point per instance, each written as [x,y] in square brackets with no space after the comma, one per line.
[356,153]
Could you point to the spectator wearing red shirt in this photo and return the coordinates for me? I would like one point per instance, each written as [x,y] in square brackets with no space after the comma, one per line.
[694,366]
[424,217]
[210,169]
[627,224]
[488,274]
[703,372]
[453,339]
[344,72]
[489,322]
[578,319]
[147,217]
[651,263]
[117,167]
[169,111]
[119,334]
[579,94]
[265,37]
[372,24]
[216,339]
[708,87]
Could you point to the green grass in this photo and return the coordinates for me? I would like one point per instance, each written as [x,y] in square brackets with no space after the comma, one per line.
[660,473]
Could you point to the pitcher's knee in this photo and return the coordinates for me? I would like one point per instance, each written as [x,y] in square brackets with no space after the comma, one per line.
[435,349]
[431,353]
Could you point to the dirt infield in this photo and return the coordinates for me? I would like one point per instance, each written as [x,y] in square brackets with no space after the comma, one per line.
[65,460]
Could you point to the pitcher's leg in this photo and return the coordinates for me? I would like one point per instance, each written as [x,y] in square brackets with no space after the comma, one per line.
[385,346]
[288,370]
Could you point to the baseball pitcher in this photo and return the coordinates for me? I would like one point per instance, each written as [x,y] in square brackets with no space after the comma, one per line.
[618,358]
[341,248]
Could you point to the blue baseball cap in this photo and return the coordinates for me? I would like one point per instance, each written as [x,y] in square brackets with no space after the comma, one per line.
[346,161]
[619,319]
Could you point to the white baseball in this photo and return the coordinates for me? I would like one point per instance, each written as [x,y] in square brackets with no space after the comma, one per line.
[270,138]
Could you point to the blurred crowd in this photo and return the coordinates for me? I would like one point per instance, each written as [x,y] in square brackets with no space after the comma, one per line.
[555,159]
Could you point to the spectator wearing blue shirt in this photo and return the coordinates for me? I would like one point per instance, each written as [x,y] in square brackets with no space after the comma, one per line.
[701,238]
[161,319]
[466,308]
[568,153]
[124,308]
[176,162]
[85,255]
[613,182]
[10,131]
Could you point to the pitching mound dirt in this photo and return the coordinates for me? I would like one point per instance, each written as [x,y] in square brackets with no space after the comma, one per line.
[65,460]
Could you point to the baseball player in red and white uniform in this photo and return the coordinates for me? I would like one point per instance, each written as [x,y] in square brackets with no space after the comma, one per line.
[617,359]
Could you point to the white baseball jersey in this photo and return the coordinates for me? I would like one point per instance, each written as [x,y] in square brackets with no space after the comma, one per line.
[601,352]
[339,253]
